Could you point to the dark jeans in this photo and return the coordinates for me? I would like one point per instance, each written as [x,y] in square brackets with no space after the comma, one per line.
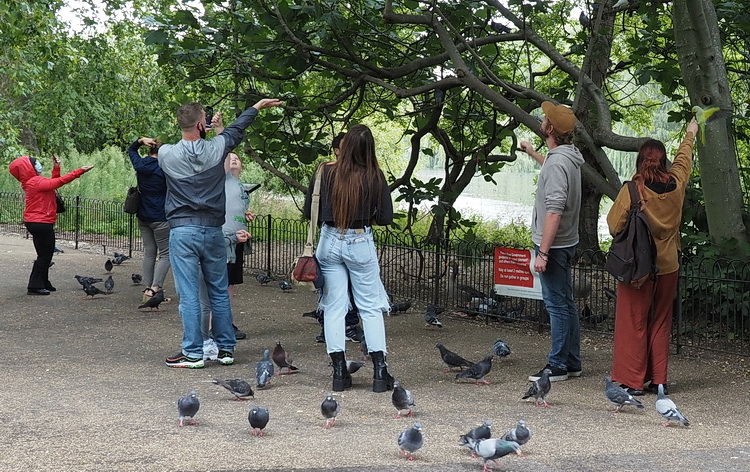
[43,235]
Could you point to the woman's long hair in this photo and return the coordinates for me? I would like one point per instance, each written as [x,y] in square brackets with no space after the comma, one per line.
[651,164]
[355,174]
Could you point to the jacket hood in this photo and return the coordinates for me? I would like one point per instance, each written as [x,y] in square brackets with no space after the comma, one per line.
[22,169]
[570,152]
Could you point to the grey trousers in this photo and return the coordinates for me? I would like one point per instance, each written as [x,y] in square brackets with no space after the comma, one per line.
[155,243]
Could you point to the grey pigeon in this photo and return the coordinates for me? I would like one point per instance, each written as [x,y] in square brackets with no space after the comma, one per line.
[154,301]
[136,278]
[618,396]
[264,369]
[483,431]
[329,409]
[584,19]
[539,389]
[353,366]
[493,449]
[282,359]
[237,387]
[588,316]
[452,359]
[119,259]
[430,316]
[108,266]
[109,284]
[92,290]
[57,250]
[402,399]
[520,433]
[668,409]
[263,279]
[499,27]
[84,280]
[500,349]
[478,371]
[122,257]
[285,285]
[400,307]
[410,441]
[258,418]
[187,407]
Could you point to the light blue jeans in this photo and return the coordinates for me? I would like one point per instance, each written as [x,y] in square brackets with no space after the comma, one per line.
[196,250]
[345,257]
[565,326]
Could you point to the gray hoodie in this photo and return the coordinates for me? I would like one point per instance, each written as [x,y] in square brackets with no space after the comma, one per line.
[559,191]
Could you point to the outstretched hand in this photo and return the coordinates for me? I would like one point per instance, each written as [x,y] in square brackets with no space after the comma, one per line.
[267,103]
[692,127]
[87,168]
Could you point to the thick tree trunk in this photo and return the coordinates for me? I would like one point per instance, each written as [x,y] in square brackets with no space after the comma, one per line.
[699,51]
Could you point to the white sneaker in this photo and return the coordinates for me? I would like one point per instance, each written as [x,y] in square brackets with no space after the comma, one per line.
[210,350]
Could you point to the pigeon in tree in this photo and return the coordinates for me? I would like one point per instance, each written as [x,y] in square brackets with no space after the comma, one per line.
[499,27]
[431,318]
[136,278]
[330,409]
[410,441]
[493,449]
[353,366]
[584,20]
[154,301]
[263,279]
[402,399]
[618,396]
[187,407]
[500,349]
[620,4]
[108,266]
[285,285]
[520,433]
[539,389]
[92,290]
[478,371]
[258,418]
[84,280]
[264,370]
[668,409]
[282,359]
[109,284]
[483,431]
[237,387]
[452,359]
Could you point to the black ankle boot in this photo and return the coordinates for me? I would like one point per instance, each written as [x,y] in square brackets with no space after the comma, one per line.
[381,379]
[341,377]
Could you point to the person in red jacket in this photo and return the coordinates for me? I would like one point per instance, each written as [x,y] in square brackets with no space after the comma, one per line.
[40,213]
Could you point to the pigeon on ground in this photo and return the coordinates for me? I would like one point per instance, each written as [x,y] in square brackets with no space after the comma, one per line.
[330,409]
[452,359]
[84,280]
[588,316]
[520,433]
[264,369]
[57,250]
[500,349]
[109,284]
[478,371]
[92,290]
[618,396]
[353,366]
[282,359]
[263,279]
[431,318]
[154,301]
[187,407]
[285,285]
[493,449]
[258,418]
[108,266]
[136,278]
[311,314]
[668,409]
[539,389]
[363,347]
[402,399]
[400,307]
[483,431]
[122,257]
[117,260]
[237,387]
[410,441]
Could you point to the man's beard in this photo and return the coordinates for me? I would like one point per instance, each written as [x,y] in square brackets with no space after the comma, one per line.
[543,132]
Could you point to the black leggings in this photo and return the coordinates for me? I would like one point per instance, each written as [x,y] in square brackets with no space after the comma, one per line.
[44,243]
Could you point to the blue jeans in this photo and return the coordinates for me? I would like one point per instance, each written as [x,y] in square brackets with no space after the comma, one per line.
[565,326]
[196,250]
[350,257]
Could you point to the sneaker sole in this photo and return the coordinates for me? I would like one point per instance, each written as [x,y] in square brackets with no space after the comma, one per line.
[225,361]
[552,378]
[576,373]
[195,365]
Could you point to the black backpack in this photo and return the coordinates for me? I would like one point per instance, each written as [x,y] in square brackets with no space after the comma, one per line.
[632,256]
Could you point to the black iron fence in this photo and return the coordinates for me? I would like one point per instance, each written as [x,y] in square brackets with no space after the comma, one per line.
[711,313]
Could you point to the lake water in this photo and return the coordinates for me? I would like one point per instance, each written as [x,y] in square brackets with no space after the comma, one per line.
[511,200]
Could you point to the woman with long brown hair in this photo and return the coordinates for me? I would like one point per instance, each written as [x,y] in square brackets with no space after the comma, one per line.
[644,315]
[354,195]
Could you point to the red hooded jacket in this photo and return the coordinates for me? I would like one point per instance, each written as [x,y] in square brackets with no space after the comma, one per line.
[41,205]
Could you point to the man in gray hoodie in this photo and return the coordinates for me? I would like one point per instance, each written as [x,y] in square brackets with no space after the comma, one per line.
[195,208]
[554,227]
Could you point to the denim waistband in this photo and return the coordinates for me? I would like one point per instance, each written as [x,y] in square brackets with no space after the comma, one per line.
[366,229]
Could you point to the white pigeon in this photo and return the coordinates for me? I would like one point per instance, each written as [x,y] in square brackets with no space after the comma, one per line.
[668,409]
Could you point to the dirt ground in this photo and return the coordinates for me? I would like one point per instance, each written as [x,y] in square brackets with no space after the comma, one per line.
[85,388]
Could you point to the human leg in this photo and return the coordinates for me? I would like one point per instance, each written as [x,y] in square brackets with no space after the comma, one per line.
[334,299]
[660,328]
[557,292]
[43,238]
[161,237]
[631,337]
[214,268]
[185,244]
[149,252]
